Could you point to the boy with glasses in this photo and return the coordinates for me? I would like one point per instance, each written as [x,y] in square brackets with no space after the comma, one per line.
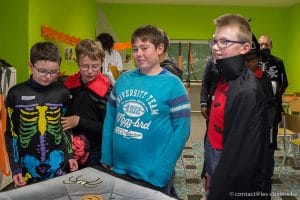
[37,146]
[89,89]
[237,127]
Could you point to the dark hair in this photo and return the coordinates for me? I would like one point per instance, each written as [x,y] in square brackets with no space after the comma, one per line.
[166,41]
[45,51]
[254,47]
[148,33]
[107,41]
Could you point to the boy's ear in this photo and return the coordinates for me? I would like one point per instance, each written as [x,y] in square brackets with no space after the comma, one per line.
[160,49]
[246,48]
[30,65]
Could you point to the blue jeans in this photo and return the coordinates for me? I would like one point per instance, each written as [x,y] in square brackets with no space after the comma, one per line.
[211,157]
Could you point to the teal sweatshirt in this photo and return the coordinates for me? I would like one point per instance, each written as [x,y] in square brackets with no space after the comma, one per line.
[146,126]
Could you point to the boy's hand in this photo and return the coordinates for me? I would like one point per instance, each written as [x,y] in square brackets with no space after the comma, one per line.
[69,122]
[73,165]
[18,180]
[204,112]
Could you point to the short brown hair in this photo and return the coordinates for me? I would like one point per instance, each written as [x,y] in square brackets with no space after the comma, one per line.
[89,48]
[148,33]
[166,41]
[46,51]
[239,21]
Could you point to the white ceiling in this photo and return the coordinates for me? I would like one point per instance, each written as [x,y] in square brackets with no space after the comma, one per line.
[265,3]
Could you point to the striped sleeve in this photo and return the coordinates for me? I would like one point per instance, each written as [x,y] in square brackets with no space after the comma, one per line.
[180,107]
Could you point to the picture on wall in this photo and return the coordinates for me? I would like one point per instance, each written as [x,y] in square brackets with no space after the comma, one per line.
[68,54]
[128,62]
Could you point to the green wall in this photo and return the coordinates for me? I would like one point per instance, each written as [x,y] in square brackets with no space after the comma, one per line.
[21,26]
[196,22]
[190,21]
[14,34]
[21,22]
[73,17]
[292,40]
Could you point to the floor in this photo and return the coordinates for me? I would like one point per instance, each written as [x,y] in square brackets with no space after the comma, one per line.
[188,170]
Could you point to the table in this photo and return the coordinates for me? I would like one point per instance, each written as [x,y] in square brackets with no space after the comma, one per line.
[85,184]
[291,104]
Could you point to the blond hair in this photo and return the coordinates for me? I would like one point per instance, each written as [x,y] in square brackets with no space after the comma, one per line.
[89,48]
[268,38]
[237,20]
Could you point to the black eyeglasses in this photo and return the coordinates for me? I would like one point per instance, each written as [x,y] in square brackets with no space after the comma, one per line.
[222,43]
[44,72]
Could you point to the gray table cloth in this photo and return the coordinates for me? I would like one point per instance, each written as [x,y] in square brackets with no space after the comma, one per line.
[85,184]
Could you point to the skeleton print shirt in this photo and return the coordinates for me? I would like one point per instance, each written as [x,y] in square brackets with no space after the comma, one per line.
[36,144]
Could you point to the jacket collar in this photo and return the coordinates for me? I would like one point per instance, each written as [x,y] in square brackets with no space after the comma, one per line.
[231,68]
[99,85]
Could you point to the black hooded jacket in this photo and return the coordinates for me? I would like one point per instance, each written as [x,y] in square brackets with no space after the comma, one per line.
[275,69]
[240,168]
[209,83]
